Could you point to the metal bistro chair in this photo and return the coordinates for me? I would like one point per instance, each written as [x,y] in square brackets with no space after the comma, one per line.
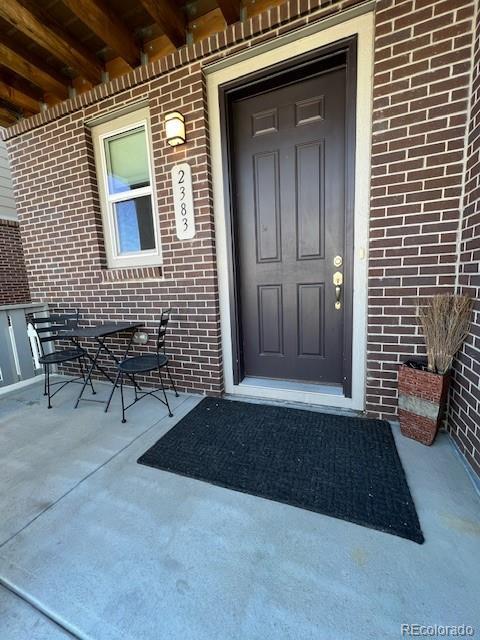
[47,330]
[145,363]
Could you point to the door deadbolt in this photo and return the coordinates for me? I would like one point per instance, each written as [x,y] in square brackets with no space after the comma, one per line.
[337,261]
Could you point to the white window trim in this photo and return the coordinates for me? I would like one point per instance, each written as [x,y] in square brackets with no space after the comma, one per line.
[99,134]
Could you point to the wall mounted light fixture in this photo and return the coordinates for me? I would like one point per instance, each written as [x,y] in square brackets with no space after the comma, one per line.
[175,128]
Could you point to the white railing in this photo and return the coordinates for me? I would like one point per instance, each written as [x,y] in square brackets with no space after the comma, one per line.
[19,351]
[34,345]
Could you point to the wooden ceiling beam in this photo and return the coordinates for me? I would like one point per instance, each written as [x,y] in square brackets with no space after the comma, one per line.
[32,72]
[18,98]
[36,24]
[7,117]
[34,59]
[19,83]
[107,26]
[169,18]
[230,10]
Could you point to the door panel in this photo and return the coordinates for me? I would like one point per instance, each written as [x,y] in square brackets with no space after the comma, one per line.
[270,315]
[311,319]
[266,207]
[310,210]
[289,185]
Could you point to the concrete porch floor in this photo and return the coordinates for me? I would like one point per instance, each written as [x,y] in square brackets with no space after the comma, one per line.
[95,546]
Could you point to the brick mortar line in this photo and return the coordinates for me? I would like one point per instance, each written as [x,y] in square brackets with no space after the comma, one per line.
[391,129]
[401,63]
[417,74]
[388,119]
[381,85]
[410,27]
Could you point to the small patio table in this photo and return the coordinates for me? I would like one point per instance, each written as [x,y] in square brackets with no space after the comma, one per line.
[99,332]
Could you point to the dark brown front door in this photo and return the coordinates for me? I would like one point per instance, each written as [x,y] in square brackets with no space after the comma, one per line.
[289,184]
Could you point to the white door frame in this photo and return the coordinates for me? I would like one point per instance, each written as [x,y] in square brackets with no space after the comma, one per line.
[257,58]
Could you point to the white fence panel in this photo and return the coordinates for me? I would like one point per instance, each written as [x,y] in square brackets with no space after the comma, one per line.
[18,356]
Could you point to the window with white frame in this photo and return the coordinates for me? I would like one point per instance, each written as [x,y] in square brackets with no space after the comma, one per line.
[123,159]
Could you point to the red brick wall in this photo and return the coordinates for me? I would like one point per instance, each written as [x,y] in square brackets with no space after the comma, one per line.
[422,63]
[421,86]
[464,418]
[13,276]
[55,185]
[62,228]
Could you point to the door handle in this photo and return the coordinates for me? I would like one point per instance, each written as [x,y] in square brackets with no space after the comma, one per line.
[338,281]
[338,291]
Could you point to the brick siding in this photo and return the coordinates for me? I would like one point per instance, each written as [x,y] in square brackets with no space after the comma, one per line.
[464,417]
[57,200]
[13,276]
[421,79]
[62,229]
[421,88]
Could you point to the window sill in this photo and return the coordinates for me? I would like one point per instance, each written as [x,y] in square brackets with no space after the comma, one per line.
[129,274]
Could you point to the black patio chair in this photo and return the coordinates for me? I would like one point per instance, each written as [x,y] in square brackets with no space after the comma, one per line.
[47,330]
[142,364]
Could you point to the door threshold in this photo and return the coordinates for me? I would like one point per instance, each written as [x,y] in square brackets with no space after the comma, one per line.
[293,385]
[301,393]
[291,404]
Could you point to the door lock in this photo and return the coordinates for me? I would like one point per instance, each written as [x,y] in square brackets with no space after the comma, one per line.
[338,281]
[337,261]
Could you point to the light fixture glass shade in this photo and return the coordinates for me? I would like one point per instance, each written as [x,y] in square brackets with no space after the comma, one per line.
[175,128]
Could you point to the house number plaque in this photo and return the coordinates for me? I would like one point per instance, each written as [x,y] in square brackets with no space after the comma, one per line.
[183,201]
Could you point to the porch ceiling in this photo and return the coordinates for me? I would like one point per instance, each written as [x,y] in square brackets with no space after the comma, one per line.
[50,48]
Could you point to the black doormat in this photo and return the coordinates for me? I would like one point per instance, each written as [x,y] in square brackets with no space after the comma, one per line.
[344,467]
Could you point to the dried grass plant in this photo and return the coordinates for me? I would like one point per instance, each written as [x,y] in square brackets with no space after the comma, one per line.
[445,320]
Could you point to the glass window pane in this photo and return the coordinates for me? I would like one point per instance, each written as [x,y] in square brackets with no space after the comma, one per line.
[127,161]
[134,221]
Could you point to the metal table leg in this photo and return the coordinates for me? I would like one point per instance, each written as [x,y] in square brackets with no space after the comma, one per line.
[89,372]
